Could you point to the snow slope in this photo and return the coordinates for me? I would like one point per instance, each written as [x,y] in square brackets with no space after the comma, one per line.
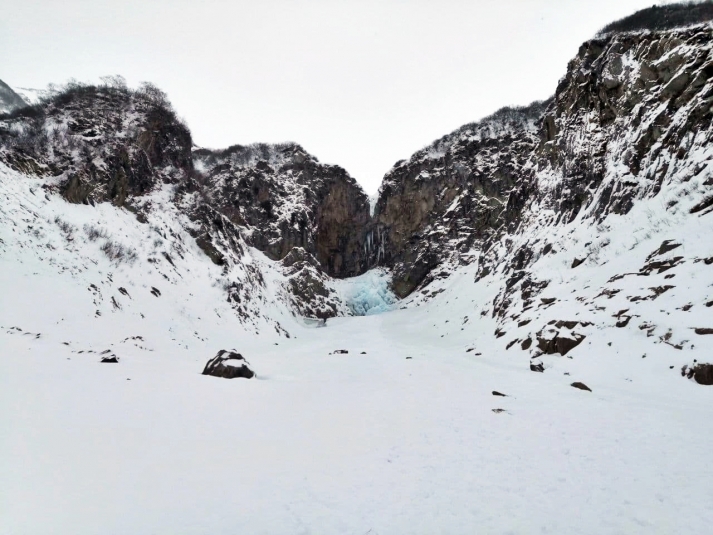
[397,436]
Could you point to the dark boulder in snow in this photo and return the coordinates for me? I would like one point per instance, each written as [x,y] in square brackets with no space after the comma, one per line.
[537,367]
[552,340]
[581,386]
[110,360]
[624,321]
[229,365]
[578,262]
[701,373]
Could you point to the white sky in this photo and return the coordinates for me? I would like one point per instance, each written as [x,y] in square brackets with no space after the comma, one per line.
[359,83]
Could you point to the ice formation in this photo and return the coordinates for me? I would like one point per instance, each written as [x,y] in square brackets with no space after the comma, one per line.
[369,293]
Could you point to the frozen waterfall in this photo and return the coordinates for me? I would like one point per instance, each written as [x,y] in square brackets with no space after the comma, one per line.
[369,293]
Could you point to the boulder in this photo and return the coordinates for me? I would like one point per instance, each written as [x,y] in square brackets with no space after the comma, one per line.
[537,367]
[581,386]
[623,322]
[701,373]
[229,365]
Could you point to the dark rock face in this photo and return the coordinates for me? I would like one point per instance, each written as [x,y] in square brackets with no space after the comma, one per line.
[287,199]
[450,195]
[625,89]
[229,365]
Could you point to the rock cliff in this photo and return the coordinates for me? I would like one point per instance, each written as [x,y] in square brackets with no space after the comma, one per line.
[285,198]
[451,195]
[631,114]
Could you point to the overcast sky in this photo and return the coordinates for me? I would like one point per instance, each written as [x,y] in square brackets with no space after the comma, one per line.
[359,83]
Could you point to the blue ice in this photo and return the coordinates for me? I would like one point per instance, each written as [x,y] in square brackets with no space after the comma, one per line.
[369,294]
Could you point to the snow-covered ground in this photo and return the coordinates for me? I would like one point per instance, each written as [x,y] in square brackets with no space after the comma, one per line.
[400,435]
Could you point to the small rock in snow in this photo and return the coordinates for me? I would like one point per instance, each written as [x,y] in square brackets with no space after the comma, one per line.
[539,367]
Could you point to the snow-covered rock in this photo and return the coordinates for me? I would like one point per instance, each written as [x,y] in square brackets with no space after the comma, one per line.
[228,365]
[285,198]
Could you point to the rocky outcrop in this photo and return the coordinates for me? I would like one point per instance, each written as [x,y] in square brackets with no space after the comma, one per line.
[629,110]
[643,101]
[451,195]
[552,340]
[632,117]
[101,143]
[308,286]
[286,198]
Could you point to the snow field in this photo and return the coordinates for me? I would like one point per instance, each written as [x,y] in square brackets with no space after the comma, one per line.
[344,443]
